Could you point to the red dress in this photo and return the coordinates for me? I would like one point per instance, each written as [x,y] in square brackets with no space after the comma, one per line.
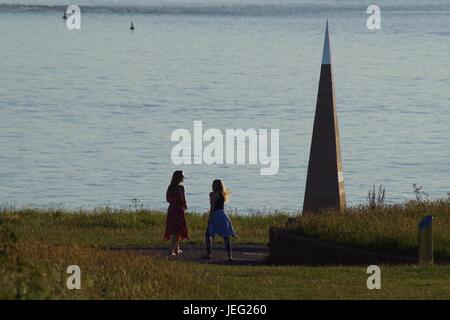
[176,218]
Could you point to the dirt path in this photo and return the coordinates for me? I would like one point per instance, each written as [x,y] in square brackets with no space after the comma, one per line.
[242,254]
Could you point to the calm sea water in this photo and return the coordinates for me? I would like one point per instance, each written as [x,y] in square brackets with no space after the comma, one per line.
[86,116]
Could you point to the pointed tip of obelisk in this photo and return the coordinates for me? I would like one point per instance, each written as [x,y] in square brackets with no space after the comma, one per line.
[326,47]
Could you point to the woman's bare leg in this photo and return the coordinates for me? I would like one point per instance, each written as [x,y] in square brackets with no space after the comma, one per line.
[172,245]
[227,242]
[208,243]
[178,251]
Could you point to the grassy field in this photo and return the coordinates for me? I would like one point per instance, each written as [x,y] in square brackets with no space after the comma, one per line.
[37,271]
[392,229]
[37,246]
[122,228]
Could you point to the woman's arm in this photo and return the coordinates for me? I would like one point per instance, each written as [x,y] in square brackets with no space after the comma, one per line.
[212,201]
[183,197]
[167,195]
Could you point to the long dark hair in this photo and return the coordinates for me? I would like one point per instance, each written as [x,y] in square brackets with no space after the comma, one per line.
[177,178]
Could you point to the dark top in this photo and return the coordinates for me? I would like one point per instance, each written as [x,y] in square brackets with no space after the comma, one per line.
[219,203]
[176,197]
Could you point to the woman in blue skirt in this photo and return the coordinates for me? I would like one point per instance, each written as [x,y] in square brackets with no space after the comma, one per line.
[218,220]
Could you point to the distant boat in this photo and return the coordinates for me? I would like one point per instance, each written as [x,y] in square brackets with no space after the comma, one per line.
[132,26]
[64,16]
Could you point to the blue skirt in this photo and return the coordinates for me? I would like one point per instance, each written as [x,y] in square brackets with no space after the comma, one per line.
[221,224]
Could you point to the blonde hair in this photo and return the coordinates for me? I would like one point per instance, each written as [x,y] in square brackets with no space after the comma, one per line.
[219,187]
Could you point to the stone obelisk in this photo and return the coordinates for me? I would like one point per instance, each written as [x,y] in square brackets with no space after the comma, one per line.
[325,181]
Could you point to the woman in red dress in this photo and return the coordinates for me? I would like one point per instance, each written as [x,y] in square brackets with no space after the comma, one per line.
[176,228]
